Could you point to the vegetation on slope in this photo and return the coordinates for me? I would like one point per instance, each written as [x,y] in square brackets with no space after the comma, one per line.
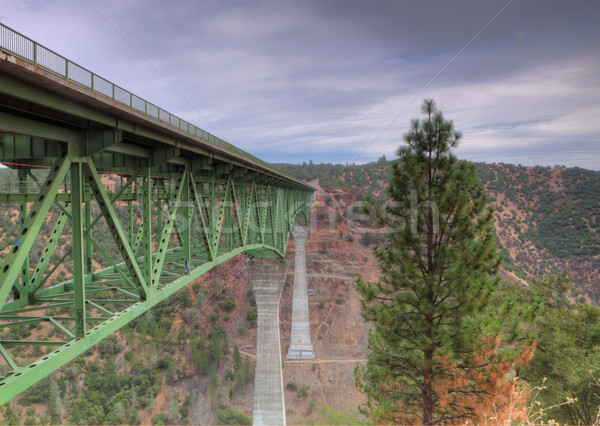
[547,219]
[564,197]
[124,378]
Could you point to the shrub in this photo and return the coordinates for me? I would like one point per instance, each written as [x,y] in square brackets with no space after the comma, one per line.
[184,411]
[303,391]
[229,416]
[217,330]
[190,315]
[251,298]
[227,305]
[164,363]
[251,316]
[159,419]
[109,346]
[143,401]
[291,386]
[184,299]
[200,298]
[366,239]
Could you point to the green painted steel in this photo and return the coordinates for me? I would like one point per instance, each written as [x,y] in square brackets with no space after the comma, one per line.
[157,201]
[23,48]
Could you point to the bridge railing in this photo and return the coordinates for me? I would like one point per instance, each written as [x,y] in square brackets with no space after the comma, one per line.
[23,47]
[34,53]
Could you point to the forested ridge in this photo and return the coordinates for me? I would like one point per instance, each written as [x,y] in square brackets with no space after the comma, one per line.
[547,218]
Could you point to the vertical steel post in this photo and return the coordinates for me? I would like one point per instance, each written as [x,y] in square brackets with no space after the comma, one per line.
[130,191]
[89,253]
[23,211]
[228,200]
[212,207]
[185,211]
[77,241]
[147,225]
[160,190]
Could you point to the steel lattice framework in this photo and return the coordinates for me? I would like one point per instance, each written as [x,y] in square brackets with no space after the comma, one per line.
[104,177]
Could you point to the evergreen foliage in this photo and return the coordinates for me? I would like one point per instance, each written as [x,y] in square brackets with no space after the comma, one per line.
[567,362]
[229,416]
[439,263]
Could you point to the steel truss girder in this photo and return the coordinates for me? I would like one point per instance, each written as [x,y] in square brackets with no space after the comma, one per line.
[240,213]
[114,225]
[37,214]
[241,205]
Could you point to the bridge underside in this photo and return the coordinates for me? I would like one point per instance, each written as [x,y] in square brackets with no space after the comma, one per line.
[113,214]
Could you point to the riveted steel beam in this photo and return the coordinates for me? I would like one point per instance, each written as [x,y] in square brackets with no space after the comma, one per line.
[37,214]
[114,225]
[100,140]
[165,233]
[37,279]
[77,221]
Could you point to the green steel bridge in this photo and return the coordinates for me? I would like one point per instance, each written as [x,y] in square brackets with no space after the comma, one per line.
[89,161]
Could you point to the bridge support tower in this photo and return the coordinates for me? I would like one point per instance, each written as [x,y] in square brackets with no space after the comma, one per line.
[267,280]
[300,345]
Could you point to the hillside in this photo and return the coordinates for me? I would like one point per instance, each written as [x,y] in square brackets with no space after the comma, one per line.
[178,363]
[547,219]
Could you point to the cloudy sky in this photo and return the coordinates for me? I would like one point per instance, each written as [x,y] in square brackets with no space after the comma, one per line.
[339,80]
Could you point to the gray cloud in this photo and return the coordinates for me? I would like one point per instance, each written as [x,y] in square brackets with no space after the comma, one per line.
[293,81]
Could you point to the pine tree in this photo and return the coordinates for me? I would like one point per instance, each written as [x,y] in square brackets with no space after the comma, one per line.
[439,263]
[237,359]
[247,370]
[54,402]
[241,382]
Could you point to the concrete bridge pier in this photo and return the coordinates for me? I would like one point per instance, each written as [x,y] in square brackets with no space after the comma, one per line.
[267,280]
[300,345]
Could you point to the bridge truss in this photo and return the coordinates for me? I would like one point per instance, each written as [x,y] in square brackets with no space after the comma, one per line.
[116,208]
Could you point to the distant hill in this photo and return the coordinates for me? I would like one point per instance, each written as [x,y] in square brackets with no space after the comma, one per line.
[547,219]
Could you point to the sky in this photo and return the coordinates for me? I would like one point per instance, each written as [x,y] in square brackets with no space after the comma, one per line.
[338,81]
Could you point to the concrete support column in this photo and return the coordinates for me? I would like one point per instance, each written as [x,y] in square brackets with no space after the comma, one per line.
[267,281]
[300,346]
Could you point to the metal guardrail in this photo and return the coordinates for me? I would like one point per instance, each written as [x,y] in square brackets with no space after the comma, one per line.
[23,47]
[19,45]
